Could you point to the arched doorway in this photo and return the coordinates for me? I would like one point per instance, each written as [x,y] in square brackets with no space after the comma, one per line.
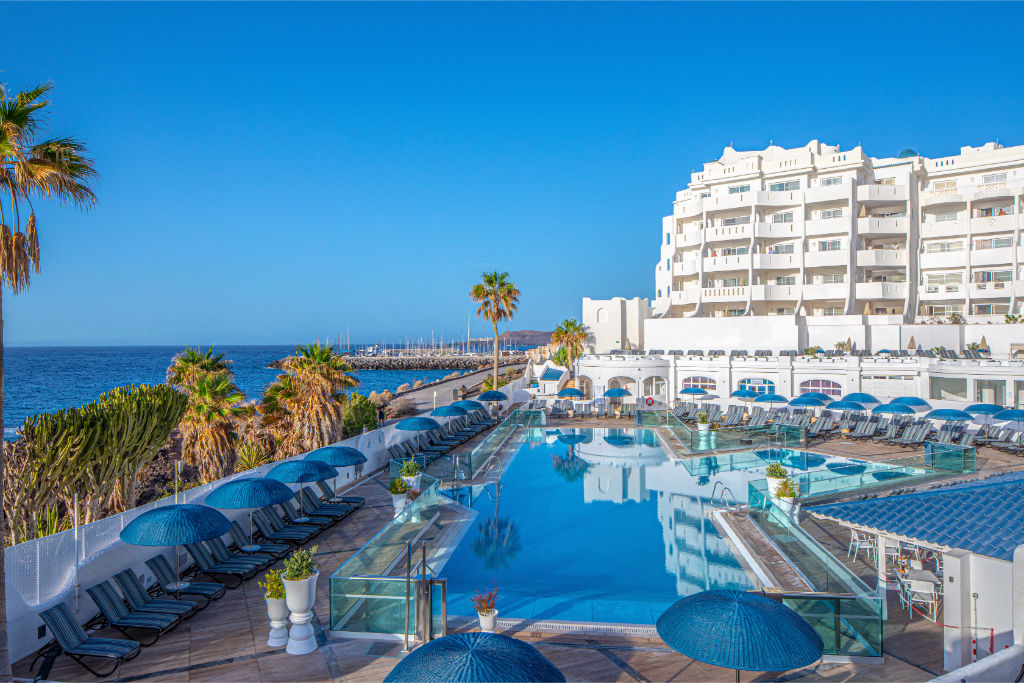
[758,384]
[627,383]
[586,385]
[655,387]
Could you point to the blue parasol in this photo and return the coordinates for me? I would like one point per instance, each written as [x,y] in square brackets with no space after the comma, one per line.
[617,393]
[892,409]
[845,405]
[570,392]
[948,415]
[740,630]
[176,525]
[984,409]
[861,397]
[770,398]
[820,395]
[807,400]
[449,411]
[492,396]
[250,493]
[474,658]
[744,394]
[912,401]
[418,424]
[470,405]
[692,391]
[301,471]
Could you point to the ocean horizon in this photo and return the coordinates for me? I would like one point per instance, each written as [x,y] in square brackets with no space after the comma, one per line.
[42,379]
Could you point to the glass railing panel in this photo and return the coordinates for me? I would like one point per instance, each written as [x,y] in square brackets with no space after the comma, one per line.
[371,605]
[951,457]
[850,626]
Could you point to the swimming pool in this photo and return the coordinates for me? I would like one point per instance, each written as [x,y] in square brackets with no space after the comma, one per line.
[601,525]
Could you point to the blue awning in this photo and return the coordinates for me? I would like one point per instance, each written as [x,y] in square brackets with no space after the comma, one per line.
[551,375]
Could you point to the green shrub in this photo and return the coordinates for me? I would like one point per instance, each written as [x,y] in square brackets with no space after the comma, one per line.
[787,488]
[775,471]
[397,487]
[273,587]
[702,417]
[301,565]
[358,413]
[410,468]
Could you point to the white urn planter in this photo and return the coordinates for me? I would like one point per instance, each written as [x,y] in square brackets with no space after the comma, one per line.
[399,501]
[488,620]
[703,427]
[789,507]
[300,596]
[412,482]
[277,612]
[773,485]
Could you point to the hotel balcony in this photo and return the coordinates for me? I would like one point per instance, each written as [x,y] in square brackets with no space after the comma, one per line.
[881,226]
[779,198]
[827,226]
[992,257]
[714,264]
[787,261]
[940,197]
[993,224]
[712,294]
[688,208]
[944,229]
[684,268]
[724,233]
[829,193]
[882,290]
[819,291]
[991,290]
[881,194]
[684,297]
[867,258]
[689,239]
[728,202]
[823,259]
[943,259]
[775,292]
[776,230]
[952,292]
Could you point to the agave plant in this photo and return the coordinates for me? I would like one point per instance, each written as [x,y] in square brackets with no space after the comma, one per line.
[209,425]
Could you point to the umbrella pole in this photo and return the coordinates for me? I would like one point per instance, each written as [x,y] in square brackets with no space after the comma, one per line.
[737,676]
[250,530]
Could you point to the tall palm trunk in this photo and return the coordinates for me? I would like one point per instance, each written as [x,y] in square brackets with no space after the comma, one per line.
[494,384]
[5,655]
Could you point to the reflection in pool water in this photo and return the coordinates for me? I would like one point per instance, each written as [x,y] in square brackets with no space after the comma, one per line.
[601,525]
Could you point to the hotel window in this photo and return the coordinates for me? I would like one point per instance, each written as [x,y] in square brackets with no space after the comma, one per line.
[736,220]
[737,189]
[831,213]
[991,309]
[948,388]
[830,245]
[990,391]
[659,293]
[832,310]
[761,386]
[942,247]
[945,216]
[831,180]
[943,310]
[785,280]
[994,243]
[786,186]
[668,238]
[833,278]
[705,383]
[885,181]
[992,276]
[787,248]
[782,217]
[944,185]
[993,211]
[890,213]
[732,282]
[705,195]
[735,251]
[733,312]
[825,386]
[993,178]
[785,310]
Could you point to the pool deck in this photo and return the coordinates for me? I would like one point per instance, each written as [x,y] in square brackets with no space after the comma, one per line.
[227,641]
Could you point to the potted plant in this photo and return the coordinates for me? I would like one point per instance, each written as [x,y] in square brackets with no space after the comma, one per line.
[398,490]
[776,474]
[411,473]
[703,422]
[486,605]
[277,608]
[786,494]
[299,578]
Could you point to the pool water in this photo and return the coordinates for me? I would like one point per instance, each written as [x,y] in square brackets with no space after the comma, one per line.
[601,525]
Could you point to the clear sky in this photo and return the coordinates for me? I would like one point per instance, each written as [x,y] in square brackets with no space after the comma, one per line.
[276,172]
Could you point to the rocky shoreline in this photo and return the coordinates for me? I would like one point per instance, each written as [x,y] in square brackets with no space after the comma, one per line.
[421,362]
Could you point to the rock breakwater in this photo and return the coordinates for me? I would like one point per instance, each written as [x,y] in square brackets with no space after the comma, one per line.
[421,362]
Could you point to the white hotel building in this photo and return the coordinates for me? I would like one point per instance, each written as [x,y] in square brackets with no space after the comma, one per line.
[782,249]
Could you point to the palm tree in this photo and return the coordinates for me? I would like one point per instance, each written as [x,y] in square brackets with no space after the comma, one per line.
[571,335]
[188,365]
[208,427]
[31,166]
[498,298]
[304,408]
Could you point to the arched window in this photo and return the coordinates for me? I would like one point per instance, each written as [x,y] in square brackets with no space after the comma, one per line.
[602,315]
[705,383]
[761,386]
[659,293]
[825,386]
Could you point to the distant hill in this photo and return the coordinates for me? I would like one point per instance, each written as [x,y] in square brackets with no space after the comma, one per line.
[525,337]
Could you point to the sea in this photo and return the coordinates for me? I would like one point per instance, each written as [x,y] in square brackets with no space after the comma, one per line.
[47,378]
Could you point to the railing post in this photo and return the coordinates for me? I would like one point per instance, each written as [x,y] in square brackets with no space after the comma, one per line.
[408,587]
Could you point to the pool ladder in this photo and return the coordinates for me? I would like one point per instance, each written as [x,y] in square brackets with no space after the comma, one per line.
[722,499]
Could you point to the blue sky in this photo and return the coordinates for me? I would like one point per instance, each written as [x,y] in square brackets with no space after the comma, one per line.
[272,173]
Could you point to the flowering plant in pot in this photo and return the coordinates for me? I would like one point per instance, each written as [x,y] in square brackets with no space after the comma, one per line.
[299,578]
[703,421]
[486,605]
[776,474]
[398,490]
[277,608]
[786,494]
[411,473]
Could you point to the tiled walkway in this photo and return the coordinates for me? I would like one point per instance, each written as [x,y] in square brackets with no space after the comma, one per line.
[227,641]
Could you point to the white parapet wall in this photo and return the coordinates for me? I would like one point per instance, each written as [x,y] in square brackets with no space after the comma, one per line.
[615,323]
